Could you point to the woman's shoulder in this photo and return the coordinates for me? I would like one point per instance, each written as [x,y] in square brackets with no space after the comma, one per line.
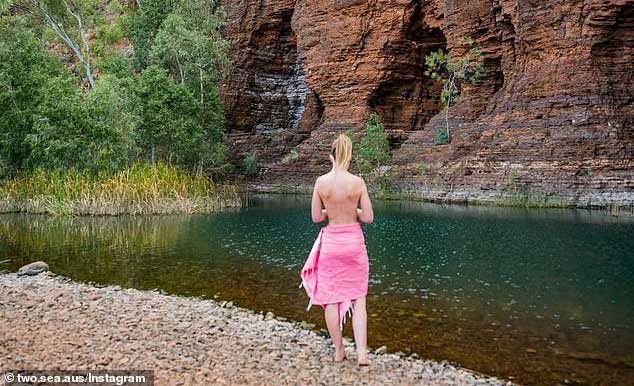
[358,179]
[322,177]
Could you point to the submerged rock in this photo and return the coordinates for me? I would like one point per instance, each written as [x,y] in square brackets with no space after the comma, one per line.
[33,269]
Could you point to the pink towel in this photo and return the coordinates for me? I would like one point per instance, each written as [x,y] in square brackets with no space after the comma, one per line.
[337,268]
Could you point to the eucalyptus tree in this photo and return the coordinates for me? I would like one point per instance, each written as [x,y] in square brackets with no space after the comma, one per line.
[189,44]
[68,20]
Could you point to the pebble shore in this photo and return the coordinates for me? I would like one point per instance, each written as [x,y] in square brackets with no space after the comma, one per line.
[49,322]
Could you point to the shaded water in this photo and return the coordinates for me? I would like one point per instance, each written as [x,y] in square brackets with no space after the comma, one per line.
[542,296]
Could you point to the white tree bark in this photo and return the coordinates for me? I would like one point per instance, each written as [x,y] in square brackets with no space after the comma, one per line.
[82,35]
[83,56]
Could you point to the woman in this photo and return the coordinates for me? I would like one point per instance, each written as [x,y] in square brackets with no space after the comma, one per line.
[335,275]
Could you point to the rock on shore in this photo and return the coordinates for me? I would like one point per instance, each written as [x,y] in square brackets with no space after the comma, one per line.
[33,269]
[49,322]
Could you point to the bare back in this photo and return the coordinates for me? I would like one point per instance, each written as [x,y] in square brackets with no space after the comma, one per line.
[341,194]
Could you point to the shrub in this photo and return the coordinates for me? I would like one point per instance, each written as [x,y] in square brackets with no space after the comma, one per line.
[374,148]
[423,168]
[466,69]
[441,137]
[48,120]
[26,70]
[168,128]
[292,156]
[249,164]
[144,26]
[116,65]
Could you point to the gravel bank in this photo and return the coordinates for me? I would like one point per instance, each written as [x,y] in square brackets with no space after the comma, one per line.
[50,322]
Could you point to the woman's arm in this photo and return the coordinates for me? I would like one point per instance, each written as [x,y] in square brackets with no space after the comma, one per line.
[365,212]
[318,213]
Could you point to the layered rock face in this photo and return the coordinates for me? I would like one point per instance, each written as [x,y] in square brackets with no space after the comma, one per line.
[553,114]
[268,104]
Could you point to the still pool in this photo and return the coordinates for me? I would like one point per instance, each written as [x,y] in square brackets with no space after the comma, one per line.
[537,296]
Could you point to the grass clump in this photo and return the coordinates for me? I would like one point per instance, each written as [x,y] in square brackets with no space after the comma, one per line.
[250,164]
[532,200]
[139,189]
[290,157]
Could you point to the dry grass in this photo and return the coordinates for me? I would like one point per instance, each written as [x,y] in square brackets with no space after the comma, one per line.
[140,189]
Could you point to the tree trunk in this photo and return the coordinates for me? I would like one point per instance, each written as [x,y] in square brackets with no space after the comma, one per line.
[58,28]
[447,122]
[82,35]
[180,70]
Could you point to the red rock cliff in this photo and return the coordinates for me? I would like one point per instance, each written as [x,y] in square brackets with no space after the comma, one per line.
[553,115]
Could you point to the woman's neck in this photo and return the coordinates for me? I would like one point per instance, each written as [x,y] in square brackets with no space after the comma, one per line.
[338,170]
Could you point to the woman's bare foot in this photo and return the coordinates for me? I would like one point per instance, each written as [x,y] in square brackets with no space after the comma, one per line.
[363,361]
[340,355]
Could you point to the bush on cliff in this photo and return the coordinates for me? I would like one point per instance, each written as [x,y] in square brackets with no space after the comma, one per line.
[371,152]
[453,74]
[373,149]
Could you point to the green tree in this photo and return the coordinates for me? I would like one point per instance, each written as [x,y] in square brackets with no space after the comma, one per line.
[189,45]
[144,26]
[466,69]
[184,39]
[47,120]
[169,129]
[170,110]
[91,132]
[114,116]
[27,70]
[5,6]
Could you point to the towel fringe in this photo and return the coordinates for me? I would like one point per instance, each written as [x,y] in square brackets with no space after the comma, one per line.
[348,312]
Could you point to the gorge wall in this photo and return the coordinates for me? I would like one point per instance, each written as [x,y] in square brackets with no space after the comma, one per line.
[553,115]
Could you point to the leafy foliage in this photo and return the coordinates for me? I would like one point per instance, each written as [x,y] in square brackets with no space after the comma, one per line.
[25,72]
[250,164]
[168,128]
[168,108]
[69,21]
[144,26]
[374,148]
[453,75]
[441,136]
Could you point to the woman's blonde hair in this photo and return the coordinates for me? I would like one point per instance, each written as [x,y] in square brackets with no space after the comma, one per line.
[342,150]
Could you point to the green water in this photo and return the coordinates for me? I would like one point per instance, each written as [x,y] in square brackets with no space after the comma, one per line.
[542,296]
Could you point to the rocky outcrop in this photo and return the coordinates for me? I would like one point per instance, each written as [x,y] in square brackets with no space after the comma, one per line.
[553,114]
[269,106]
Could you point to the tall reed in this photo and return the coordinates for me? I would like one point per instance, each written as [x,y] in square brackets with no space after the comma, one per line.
[140,189]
